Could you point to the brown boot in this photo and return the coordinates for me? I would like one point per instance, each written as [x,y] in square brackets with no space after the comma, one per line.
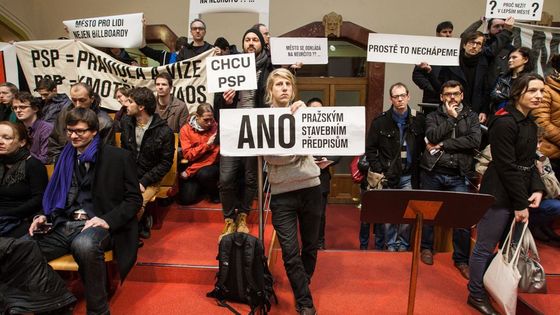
[242,223]
[229,228]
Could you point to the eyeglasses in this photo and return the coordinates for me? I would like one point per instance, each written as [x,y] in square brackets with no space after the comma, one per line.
[474,43]
[78,132]
[22,107]
[404,95]
[198,28]
[454,94]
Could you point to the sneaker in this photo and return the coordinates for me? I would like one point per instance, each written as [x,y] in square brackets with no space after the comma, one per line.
[241,223]
[391,249]
[403,248]
[229,228]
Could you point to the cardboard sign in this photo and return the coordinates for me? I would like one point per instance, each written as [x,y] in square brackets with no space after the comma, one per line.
[8,64]
[117,31]
[68,62]
[291,50]
[522,10]
[407,49]
[275,131]
[236,72]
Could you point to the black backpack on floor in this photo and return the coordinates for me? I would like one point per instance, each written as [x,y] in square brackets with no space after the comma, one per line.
[243,274]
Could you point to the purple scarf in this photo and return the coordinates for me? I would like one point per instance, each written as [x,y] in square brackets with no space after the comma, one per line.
[61,179]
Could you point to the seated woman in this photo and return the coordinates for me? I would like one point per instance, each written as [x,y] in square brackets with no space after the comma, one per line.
[296,196]
[520,61]
[23,180]
[200,149]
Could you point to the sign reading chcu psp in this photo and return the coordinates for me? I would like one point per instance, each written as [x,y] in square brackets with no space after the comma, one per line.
[275,131]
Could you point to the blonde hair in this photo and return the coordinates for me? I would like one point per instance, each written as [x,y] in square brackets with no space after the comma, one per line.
[282,74]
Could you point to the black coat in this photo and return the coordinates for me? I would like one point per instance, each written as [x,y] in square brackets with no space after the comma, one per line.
[117,199]
[458,150]
[157,149]
[190,51]
[513,143]
[383,147]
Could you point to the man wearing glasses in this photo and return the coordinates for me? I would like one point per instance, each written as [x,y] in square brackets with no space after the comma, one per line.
[394,144]
[198,45]
[82,96]
[91,202]
[452,135]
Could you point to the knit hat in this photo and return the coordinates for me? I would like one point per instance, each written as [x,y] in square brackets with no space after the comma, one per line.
[257,32]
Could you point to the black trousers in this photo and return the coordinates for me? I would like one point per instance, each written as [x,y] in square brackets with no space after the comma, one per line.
[303,206]
[205,181]
[232,168]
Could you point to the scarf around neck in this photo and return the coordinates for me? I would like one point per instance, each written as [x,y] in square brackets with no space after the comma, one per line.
[59,185]
[16,173]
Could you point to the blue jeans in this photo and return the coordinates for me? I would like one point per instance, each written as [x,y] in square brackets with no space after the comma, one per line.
[87,248]
[490,230]
[398,235]
[461,236]
[548,210]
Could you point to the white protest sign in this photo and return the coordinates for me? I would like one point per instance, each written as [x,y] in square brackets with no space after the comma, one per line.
[198,7]
[68,62]
[275,131]
[236,72]
[408,49]
[8,64]
[291,50]
[117,31]
[524,10]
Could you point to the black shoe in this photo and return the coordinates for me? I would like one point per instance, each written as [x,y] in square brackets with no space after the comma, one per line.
[549,231]
[482,305]
[363,247]
[539,234]
[427,257]
[140,243]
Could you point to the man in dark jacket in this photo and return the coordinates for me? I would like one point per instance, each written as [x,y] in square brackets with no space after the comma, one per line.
[82,96]
[231,167]
[452,135]
[393,147]
[91,201]
[150,140]
[198,45]
[53,102]
[27,283]
[475,58]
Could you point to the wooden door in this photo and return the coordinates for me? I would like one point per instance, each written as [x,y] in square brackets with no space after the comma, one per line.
[337,92]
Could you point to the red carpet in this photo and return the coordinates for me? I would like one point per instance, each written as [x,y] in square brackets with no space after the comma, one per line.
[177,266]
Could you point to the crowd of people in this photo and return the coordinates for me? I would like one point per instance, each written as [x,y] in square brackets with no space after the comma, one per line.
[97,193]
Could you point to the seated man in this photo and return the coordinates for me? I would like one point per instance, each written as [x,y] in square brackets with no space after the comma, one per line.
[28,111]
[53,102]
[82,96]
[91,201]
[150,140]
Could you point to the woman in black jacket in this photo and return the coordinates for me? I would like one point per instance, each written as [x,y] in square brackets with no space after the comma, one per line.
[511,178]
[520,61]
[23,179]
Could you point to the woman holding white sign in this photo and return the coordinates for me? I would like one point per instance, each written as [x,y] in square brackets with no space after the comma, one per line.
[296,195]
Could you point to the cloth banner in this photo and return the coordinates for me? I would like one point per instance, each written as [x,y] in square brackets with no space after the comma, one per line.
[119,31]
[68,62]
[321,131]
[8,64]
[544,42]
